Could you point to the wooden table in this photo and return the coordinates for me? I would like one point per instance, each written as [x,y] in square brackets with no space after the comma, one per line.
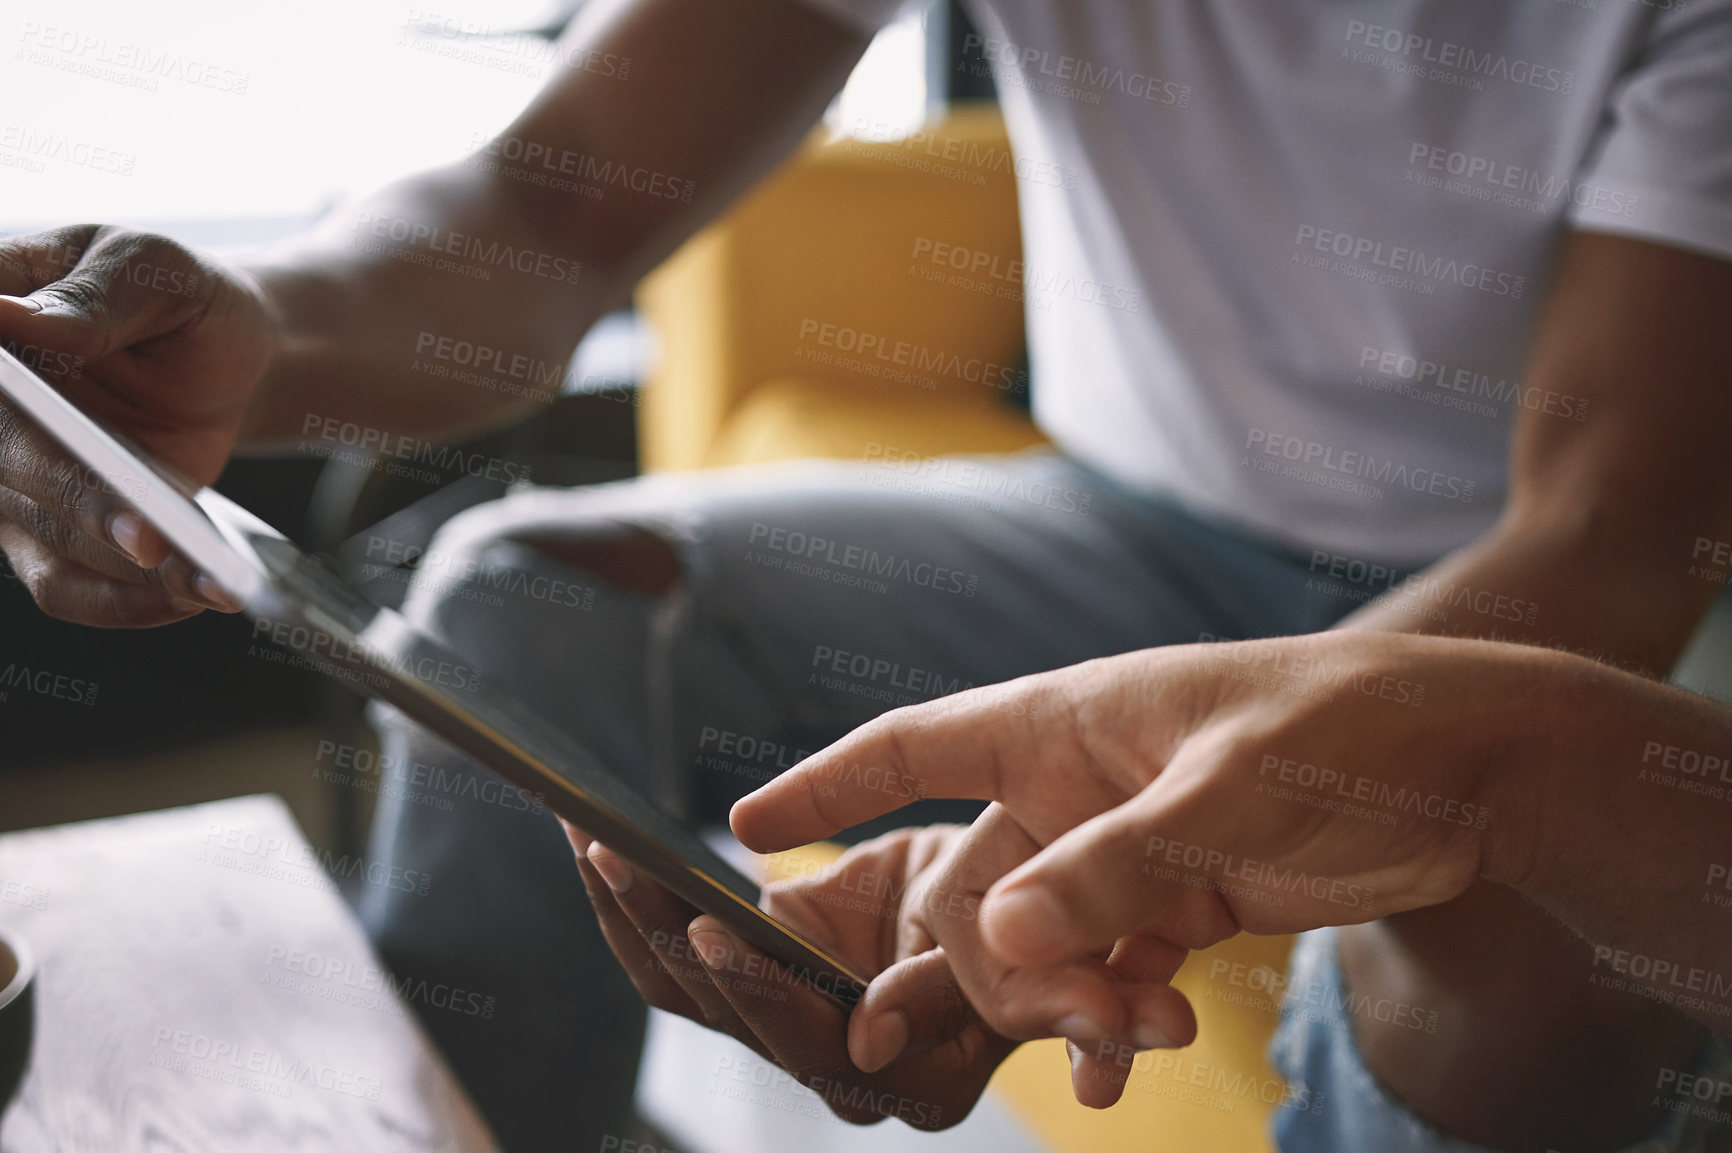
[202,988]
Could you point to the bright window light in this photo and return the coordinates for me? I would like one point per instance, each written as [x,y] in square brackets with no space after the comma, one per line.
[217,110]
[886,96]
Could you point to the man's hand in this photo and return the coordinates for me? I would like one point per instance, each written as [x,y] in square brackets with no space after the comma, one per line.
[162,345]
[871,909]
[1161,801]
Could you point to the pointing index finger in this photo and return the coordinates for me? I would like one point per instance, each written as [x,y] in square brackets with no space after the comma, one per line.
[953,748]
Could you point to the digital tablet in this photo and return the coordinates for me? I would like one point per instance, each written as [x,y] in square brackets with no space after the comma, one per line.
[311,609]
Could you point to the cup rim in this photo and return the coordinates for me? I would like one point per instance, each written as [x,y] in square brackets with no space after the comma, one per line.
[26,962]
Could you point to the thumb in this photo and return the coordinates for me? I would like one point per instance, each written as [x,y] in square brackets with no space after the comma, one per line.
[910,1008]
[122,288]
[1119,874]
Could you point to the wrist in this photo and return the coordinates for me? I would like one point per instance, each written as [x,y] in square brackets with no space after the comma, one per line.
[1534,726]
[265,285]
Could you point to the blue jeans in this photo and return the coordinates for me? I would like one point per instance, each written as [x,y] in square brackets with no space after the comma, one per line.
[811,598]
[1344,1108]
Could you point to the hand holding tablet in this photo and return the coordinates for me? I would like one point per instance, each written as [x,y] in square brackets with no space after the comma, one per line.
[163,345]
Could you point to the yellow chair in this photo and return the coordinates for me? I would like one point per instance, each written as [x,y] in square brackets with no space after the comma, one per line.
[809,323]
[801,325]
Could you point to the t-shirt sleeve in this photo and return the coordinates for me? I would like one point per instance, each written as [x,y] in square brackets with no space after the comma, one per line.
[1661,168]
[866,15]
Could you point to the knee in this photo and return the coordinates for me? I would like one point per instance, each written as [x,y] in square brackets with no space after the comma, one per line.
[628,557]
[480,543]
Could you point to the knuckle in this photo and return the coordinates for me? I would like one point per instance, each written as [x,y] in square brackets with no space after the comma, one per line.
[49,528]
[999,1010]
[66,490]
[48,587]
[11,433]
[81,292]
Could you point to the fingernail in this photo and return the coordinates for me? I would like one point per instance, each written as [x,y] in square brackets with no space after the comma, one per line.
[24,302]
[1077,1027]
[713,948]
[1150,1037]
[611,866]
[1029,913]
[1076,1054]
[217,596]
[886,1037]
[126,530]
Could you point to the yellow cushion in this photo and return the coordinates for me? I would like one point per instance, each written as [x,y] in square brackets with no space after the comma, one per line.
[1216,1094]
[786,419]
[825,274]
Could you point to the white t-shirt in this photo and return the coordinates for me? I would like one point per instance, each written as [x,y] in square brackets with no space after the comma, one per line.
[1284,258]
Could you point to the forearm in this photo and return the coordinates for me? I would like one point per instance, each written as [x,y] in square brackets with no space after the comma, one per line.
[1621,595]
[507,257]
[1622,828]
[438,337]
